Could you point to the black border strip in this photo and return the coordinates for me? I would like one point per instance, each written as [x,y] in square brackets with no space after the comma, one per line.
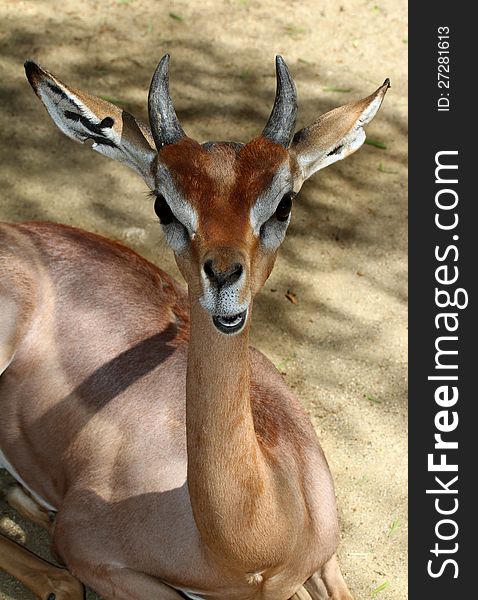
[433,131]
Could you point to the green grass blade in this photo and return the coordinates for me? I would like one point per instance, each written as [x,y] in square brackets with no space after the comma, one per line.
[375,143]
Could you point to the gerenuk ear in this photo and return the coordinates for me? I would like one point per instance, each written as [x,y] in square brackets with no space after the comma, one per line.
[335,135]
[114,132]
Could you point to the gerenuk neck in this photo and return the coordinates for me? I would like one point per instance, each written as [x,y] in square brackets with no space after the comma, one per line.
[230,484]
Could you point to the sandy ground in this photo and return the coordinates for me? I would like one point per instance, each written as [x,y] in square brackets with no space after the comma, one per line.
[342,347]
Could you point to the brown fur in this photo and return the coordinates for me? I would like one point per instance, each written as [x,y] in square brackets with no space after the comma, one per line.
[222,183]
[97,403]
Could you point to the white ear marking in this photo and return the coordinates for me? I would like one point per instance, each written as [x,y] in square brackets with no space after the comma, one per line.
[114,132]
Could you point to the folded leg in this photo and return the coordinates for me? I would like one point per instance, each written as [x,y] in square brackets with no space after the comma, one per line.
[45,580]
[24,504]
[334,581]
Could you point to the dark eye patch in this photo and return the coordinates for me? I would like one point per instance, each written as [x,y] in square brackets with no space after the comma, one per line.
[335,150]
[284,207]
[162,210]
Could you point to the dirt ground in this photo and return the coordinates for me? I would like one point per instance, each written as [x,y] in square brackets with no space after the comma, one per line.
[342,346]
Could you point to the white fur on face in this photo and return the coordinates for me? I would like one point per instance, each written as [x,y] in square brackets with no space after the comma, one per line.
[225,301]
[263,223]
[273,233]
[179,233]
[266,204]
